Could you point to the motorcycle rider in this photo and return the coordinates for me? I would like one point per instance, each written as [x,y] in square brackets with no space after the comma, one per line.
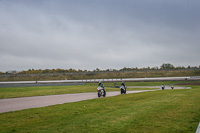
[124,88]
[163,86]
[101,85]
[122,84]
[172,87]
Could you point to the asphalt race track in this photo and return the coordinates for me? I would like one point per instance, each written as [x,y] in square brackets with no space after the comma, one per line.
[14,104]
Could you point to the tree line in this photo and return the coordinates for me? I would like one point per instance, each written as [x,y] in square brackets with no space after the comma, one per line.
[58,70]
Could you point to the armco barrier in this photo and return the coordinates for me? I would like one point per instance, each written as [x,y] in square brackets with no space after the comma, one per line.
[198,129]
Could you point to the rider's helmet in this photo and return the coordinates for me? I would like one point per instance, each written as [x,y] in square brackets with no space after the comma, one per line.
[100,83]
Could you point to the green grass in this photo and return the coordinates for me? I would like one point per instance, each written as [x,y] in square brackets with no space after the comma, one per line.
[43,90]
[171,111]
[11,92]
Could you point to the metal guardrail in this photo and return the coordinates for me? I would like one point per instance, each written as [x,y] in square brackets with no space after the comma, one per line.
[195,77]
[97,80]
[198,129]
[81,82]
[135,79]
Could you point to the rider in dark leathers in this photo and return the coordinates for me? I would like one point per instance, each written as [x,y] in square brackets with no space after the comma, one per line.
[123,83]
[124,87]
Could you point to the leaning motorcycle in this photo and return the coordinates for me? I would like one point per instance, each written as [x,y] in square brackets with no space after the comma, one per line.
[101,91]
[123,89]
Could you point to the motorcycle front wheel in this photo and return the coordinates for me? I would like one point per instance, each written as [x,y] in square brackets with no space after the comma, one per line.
[99,94]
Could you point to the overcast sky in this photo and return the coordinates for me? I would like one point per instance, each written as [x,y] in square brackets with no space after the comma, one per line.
[90,34]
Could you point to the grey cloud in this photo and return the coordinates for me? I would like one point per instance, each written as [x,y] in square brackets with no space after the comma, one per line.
[104,34]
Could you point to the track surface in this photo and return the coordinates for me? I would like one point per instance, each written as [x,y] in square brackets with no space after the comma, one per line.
[14,104]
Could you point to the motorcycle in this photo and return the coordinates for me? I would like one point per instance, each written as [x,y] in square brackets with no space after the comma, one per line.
[172,87]
[123,89]
[163,87]
[101,91]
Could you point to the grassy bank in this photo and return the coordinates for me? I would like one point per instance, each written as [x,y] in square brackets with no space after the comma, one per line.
[103,75]
[160,111]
